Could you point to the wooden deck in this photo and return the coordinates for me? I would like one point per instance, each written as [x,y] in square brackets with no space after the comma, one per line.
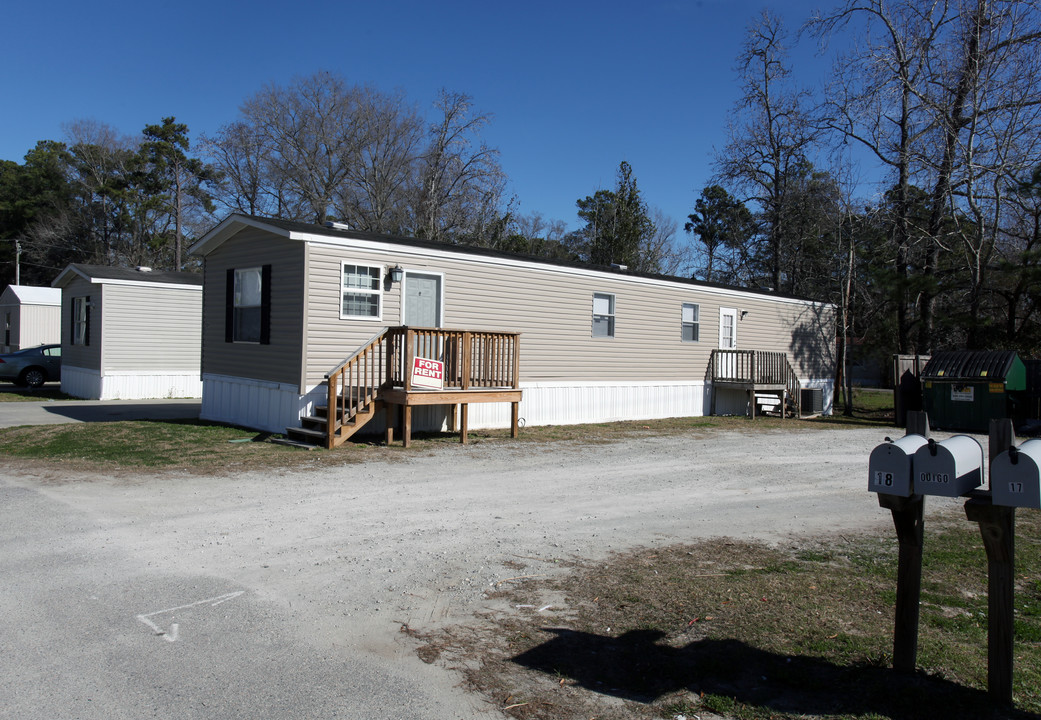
[767,378]
[399,404]
[478,367]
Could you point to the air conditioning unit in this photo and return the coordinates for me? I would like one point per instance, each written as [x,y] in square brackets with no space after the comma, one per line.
[811,401]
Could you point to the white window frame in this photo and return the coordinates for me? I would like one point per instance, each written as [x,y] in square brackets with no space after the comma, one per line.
[695,323]
[80,308]
[377,292]
[610,314]
[238,303]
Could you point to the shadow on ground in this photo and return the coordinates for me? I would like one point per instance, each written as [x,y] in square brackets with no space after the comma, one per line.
[635,666]
[138,410]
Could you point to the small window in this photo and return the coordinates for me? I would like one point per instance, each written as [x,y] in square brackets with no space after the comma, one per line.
[689,322]
[81,320]
[247,305]
[603,315]
[361,292]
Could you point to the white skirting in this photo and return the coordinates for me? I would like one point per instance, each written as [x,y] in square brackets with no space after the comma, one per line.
[273,407]
[81,383]
[574,403]
[94,385]
[256,404]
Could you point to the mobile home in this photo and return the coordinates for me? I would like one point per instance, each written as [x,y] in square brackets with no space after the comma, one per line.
[31,316]
[288,305]
[130,333]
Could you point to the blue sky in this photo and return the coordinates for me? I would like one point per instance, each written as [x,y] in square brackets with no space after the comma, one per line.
[574,87]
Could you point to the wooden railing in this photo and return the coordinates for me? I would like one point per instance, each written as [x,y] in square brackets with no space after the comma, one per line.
[355,383]
[756,367]
[473,360]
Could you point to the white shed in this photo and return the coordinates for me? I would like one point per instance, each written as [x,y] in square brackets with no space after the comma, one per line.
[29,316]
[130,333]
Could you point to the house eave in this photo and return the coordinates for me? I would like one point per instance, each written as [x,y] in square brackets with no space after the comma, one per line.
[231,225]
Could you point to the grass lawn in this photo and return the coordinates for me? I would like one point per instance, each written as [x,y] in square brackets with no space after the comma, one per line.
[15,393]
[205,447]
[750,632]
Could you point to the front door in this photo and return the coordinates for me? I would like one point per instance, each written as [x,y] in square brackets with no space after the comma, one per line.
[422,300]
[726,364]
[423,309]
[728,328]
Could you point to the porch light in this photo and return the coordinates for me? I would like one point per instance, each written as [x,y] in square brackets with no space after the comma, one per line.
[396,273]
[743,314]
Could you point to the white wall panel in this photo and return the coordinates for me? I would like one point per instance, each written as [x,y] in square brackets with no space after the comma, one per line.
[38,325]
[81,382]
[142,386]
[271,407]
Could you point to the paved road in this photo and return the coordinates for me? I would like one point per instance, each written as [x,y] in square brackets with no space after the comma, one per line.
[56,412]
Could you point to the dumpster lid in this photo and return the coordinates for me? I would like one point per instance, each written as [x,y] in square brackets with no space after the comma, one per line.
[992,365]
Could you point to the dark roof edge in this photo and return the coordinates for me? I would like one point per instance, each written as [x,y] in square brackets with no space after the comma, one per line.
[126,274]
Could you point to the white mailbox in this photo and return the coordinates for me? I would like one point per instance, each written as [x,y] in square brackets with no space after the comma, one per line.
[1015,476]
[889,467]
[951,467]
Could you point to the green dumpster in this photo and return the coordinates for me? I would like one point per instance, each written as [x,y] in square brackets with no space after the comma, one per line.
[965,389]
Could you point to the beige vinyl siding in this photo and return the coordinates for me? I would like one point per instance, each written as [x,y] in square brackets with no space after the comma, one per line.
[552,308]
[805,331]
[82,356]
[36,325]
[331,340]
[280,361]
[31,325]
[150,329]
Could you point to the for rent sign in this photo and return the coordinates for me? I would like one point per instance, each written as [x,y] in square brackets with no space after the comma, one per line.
[428,373]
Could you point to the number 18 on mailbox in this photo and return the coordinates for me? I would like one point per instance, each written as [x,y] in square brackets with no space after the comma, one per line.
[890,466]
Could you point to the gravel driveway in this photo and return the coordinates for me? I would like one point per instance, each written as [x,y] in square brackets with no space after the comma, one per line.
[282,594]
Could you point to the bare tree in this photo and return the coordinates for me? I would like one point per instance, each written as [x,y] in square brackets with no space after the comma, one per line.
[382,176]
[320,147]
[661,253]
[461,180]
[944,93]
[309,137]
[238,150]
[773,138]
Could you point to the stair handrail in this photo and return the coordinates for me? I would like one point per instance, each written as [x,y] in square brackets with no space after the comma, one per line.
[343,400]
[364,347]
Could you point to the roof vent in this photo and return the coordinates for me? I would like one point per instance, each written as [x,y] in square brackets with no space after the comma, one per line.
[616,266]
[143,268]
[336,225]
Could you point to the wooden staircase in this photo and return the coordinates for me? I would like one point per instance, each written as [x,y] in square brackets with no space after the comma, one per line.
[314,429]
[377,377]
